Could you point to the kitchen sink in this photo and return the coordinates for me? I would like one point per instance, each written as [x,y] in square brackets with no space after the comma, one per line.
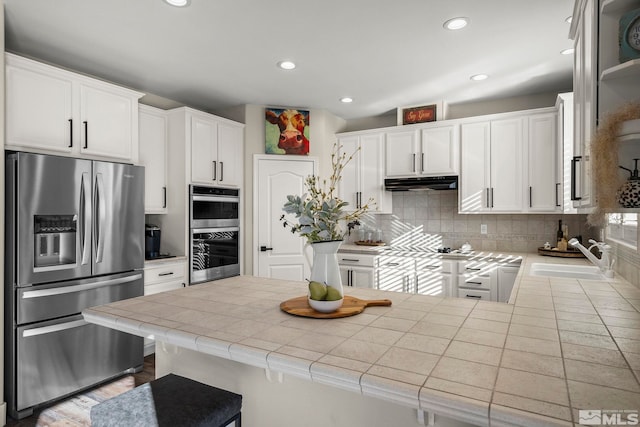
[566,270]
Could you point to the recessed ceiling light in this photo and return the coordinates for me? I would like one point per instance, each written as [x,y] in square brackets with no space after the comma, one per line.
[456,23]
[346,100]
[479,77]
[569,19]
[178,3]
[567,51]
[286,65]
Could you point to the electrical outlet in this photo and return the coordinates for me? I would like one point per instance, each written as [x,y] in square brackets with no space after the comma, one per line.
[483,228]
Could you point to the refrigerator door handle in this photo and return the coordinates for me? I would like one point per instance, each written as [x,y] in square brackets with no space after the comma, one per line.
[101,212]
[85,219]
[39,293]
[54,328]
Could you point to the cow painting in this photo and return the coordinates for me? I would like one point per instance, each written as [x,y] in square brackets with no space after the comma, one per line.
[287,131]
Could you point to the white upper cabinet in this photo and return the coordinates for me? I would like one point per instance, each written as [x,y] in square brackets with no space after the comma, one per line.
[216,151]
[509,163]
[362,177]
[543,184]
[426,150]
[491,166]
[214,146]
[440,148]
[75,114]
[401,149]
[153,156]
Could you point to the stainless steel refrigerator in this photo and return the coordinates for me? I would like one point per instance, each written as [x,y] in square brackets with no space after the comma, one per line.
[74,239]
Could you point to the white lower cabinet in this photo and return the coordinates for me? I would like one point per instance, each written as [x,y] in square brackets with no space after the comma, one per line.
[395,273]
[161,276]
[506,280]
[357,270]
[477,279]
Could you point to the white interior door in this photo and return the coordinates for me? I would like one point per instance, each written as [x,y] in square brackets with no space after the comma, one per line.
[280,254]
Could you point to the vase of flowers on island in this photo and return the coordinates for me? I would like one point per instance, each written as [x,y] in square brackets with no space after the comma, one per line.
[322,218]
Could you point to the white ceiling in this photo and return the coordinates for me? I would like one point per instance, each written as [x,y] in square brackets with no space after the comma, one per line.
[385,54]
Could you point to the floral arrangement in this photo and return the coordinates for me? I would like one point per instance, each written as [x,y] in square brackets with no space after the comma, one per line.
[320,212]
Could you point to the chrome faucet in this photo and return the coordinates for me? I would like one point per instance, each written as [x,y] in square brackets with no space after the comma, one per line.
[604,263]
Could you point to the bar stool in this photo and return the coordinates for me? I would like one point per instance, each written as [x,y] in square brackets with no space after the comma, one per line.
[170,401]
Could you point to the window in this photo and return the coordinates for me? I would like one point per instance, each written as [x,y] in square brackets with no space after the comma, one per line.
[623,228]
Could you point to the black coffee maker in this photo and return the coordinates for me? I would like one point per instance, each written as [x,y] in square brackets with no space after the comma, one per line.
[151,241]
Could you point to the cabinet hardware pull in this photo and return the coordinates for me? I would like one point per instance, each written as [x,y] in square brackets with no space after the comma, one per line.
[221,171]
[70,133]
[393,264]
[574,163]
[414,162]
[165,274]
[472,269]
[557,199]
[530,197]
[86,134]
[491,196]
[215,170]
[264,249]
[350,278]
[164,197]
[350,259]
[474,296]
[487,196]
[473,283]
[421,162]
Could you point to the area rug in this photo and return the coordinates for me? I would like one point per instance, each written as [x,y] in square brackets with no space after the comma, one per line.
[75,411]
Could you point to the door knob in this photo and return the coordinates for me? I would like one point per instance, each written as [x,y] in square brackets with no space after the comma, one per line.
[264,249]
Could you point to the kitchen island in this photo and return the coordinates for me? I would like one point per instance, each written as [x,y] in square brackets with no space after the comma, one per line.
[560,346]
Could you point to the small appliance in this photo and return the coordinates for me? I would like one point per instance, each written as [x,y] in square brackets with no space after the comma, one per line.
[151,241]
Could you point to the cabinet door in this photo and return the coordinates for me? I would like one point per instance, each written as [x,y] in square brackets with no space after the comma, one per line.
[109,122]
[349,185]
[541,162]
[430,283]
[230,149]
[506,165]
[396,280]
[372,175]
[39,110]
[439,154]
[204,148]
[153,156]
[359,277]
[401,149]
[474,176]
[506,280]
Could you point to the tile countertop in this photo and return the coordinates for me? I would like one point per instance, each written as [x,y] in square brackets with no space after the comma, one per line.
[563,345]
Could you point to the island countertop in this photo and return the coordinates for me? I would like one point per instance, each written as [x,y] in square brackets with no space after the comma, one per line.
[561,346]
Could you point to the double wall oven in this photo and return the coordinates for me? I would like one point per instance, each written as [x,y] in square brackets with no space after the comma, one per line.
[215,233]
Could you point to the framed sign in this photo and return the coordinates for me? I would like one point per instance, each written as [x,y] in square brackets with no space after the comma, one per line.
[422,114]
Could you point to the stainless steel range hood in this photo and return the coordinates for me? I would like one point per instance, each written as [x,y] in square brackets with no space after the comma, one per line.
[421,183]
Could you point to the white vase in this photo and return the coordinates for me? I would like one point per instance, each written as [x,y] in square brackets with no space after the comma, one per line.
[325,267]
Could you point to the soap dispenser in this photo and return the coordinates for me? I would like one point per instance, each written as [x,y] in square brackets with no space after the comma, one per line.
[629,193]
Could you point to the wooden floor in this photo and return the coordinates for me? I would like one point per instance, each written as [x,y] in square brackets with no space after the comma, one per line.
[147,374]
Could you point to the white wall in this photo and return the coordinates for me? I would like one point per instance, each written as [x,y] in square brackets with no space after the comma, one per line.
[323,127]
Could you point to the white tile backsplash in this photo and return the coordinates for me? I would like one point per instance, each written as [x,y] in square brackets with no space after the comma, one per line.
[420,217]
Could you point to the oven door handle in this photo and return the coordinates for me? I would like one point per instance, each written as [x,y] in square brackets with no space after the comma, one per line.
[77,288]
[214,230]
[215,199]
[54,328]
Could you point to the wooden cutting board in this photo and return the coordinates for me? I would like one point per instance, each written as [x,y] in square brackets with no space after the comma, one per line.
[350,306]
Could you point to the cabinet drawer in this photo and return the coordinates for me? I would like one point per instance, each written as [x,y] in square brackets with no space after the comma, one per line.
[474,294]
[396,262]
[162,287]
[428,263]
[359,260]
[478,282]
[172,272]
[476,268]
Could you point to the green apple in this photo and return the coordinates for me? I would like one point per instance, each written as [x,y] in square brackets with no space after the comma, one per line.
[317,290]
[333,294]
